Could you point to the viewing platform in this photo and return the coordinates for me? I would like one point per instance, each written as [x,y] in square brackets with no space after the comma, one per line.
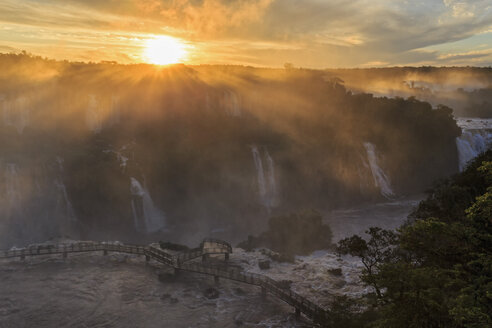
[182,261]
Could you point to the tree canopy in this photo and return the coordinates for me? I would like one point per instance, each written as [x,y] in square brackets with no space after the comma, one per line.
[436,270]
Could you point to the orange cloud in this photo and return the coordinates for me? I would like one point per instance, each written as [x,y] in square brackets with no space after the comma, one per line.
[308,33]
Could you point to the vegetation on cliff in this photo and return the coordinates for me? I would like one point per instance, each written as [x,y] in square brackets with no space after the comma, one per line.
[187,134]
[436,271]
[294,234]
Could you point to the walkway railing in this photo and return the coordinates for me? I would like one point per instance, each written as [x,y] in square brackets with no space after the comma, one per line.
[178,261]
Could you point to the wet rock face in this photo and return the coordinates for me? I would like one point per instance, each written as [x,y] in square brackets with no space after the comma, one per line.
[337,272]
[211,293]
[173,246]
[285,284]
[128,295]
[239,291]
[166,277]
[278,257]
[165,297]
[294,234]
[169,298]
[264,265]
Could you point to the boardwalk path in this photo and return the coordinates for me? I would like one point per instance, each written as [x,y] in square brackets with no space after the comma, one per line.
[182,262]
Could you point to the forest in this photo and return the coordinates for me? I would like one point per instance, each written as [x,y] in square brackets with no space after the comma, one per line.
[468,90]
[436,270]
[89,149]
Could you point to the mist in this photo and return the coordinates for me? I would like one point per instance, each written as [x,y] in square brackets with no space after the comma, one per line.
[468,90]
[137,152]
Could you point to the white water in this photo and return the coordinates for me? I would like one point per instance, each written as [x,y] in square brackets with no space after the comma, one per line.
[147,218]
[16,113]
[365,176]
[12,185]
[259,172]
[355,220]
[476,137]
[63,201]
[122,159]
[309,274]
[102,112]
[119,290]
[232,103]
[114,110]
[272,184]
[267,187]
[92,117]
[128,293]
[381,179]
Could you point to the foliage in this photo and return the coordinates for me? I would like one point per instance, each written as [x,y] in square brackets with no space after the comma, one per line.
[436,271]
[187,134]
[426,83]
[379,249]
[347,312]
[295,234]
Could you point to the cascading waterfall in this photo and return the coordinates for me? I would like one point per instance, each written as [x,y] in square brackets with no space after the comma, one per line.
[272,183]
[267,187]
[122,159]
[147,218]
[470,144]
[93,119]
[232,103]
[365,175]
[476,137]
[63,201]
[114,112]
[259,172]
[381,180]
[12,184]
[102,112]
[16,113]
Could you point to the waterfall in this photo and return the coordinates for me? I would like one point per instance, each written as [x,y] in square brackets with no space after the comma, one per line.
[272,184]
[122,159]
[12,184]
[476,137]
[471,144]
[381,180]
[147,218]
[63,201]
[16,113]
[259,172]
[114,110]
[233,104]
[365,175]
[92,117]
[267,187]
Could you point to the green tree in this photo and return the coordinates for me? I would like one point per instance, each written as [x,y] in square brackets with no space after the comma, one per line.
[437,270]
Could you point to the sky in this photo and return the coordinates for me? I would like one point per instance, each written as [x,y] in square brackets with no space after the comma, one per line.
[306,33]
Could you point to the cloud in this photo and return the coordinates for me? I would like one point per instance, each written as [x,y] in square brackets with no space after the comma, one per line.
[467,58]
[313,33]
[7,49]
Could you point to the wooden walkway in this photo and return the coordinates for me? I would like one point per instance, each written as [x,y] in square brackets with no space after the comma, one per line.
[181,262]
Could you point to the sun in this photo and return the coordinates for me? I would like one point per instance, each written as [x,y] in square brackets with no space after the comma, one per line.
[164,50]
